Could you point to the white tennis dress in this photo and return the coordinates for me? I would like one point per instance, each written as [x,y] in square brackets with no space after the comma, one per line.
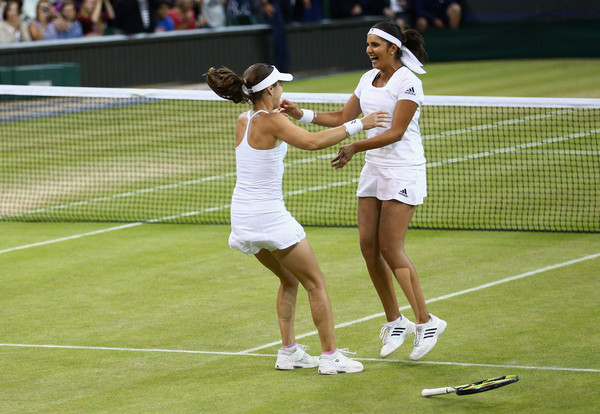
[259,219]
[396,171]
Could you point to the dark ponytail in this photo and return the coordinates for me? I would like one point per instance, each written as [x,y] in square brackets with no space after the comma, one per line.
[415,43]
[225,83]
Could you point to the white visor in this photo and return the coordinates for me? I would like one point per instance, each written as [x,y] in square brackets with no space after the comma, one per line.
[273,77]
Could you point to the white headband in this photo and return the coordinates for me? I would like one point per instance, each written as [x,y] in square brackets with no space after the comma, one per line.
[273,77]
[408,58]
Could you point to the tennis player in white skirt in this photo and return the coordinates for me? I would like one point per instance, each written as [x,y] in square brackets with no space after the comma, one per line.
[260,222]
[393,180]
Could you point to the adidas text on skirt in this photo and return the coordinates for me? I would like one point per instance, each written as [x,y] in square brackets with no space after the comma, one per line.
[405,184]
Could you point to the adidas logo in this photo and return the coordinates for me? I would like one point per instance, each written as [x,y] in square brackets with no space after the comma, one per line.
[410,91]
[429,333]
[403,192]
[398,331]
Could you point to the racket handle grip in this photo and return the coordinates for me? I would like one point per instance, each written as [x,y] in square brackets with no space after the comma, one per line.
[436,391]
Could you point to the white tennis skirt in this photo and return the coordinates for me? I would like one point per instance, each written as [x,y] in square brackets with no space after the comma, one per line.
[407,185]
[272,231]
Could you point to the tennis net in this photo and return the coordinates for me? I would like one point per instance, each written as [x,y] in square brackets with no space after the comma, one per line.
[150,155]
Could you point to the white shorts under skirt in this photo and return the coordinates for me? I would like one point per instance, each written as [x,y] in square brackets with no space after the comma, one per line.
[271,231]
[407,185]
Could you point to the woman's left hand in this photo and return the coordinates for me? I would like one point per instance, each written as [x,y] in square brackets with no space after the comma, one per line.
[343,157]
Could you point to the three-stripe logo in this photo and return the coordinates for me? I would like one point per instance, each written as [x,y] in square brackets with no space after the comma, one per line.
[429,333]
[397,331]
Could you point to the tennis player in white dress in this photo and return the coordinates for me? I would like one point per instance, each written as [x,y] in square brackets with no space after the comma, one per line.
[260,222]
[393,180]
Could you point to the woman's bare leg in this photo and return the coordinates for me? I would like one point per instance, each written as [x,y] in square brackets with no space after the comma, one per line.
[369,210]
[394,220]
[286,296]
[301,262]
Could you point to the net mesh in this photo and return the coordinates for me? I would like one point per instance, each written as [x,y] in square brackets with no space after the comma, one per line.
[122,155]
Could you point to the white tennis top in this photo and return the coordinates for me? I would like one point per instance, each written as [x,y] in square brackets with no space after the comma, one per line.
[258,187]
[259,219]
[404,84]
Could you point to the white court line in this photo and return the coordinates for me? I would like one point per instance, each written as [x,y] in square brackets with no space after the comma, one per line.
[471,364]
[184,351]
[397,361]
[451,295]
[76,236]
[250,352]
[109,348]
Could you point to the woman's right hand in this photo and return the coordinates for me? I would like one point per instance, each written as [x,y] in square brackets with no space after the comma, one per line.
[376,119]
[290,109]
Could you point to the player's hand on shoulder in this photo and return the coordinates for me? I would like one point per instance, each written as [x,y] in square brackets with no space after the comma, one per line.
[276,122]
[290,109]
[380,119]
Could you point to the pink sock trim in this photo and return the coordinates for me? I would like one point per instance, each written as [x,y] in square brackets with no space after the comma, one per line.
[290,345]
[330,352]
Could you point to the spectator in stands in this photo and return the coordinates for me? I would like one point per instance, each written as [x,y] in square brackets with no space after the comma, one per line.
[47,23]
[275,17]
[400,11]
[28,9]
[73,28]
[135,16]
[163,22]
[437,13]
[308,11]
[183,15]
[12,28]
[212,13]
[240,12]
[94,15]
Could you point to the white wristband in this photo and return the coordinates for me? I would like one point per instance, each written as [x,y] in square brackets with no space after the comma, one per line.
[353,127]
[308,116]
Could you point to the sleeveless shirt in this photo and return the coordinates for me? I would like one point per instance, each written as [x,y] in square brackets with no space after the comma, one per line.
[259,219]
[258,187]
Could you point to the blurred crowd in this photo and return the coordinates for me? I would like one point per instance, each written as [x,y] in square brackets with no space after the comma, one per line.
[36,20]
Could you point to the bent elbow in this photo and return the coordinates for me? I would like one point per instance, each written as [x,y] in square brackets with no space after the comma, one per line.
[399,136]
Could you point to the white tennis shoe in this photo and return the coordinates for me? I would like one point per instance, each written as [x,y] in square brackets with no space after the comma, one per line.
[426,335]
[394,333]
[295,357]
[339,363]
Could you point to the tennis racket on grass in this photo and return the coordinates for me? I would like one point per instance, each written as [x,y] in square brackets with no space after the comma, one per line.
[474,387]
